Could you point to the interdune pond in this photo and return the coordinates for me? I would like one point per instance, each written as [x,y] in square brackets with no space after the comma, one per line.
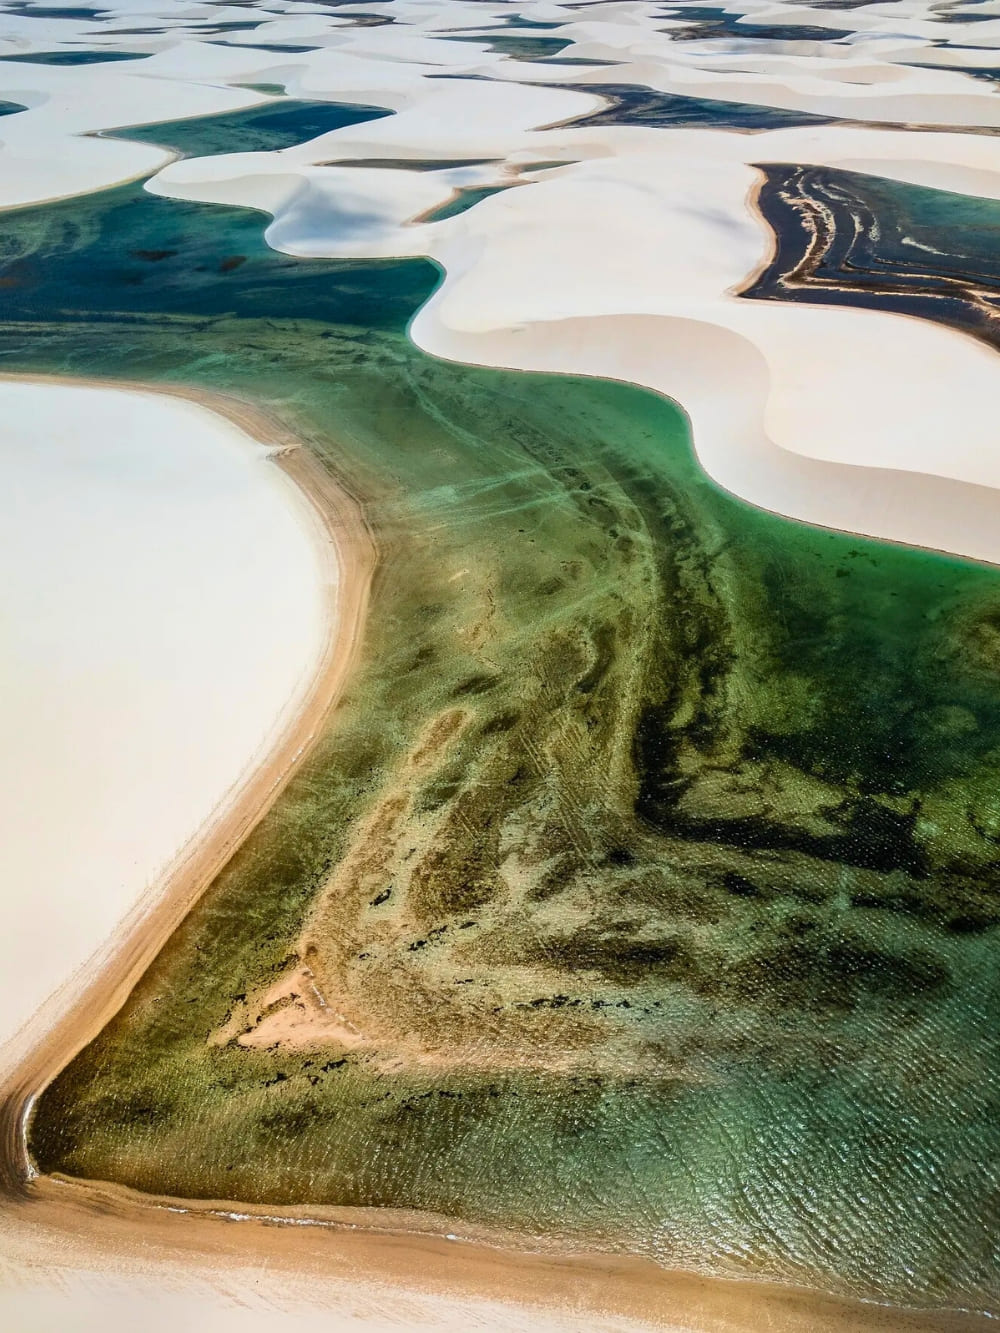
[641,892]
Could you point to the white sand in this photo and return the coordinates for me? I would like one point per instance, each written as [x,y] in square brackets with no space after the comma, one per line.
[622,263]
[165,615]
[652,225]
[256,1302]
[43,151]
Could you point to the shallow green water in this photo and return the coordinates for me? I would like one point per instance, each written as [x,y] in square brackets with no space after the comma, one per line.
[466,197]
[658,834]
[259,129]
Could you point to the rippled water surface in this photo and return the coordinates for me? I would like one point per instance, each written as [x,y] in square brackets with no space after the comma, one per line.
[651,859]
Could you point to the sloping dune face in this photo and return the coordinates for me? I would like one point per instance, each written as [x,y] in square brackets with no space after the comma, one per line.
[642,893]
[168,602]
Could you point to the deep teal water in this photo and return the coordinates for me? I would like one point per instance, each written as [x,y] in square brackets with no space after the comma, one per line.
[259,129]
[631,104]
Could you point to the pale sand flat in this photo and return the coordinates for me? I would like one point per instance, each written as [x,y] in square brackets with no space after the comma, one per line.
[655,224]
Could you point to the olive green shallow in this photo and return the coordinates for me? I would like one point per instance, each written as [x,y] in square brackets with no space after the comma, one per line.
[683,927]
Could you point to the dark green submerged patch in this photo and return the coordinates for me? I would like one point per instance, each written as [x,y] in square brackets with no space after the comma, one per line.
[634,782]
[73,57]
[515,46]
[849,238]
[466,197]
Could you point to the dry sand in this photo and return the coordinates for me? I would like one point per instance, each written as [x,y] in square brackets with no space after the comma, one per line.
[624,263]
[100,967]
[294,562]
[174,595]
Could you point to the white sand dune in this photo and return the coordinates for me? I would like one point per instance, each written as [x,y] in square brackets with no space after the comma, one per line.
[49,152]
[650,229]
[169,606]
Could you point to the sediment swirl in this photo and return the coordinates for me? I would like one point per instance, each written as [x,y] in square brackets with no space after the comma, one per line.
[849,238]
[642,889]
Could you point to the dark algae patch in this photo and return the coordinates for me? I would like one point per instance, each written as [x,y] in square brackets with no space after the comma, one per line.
[650,868]
[632,104]
[848,238]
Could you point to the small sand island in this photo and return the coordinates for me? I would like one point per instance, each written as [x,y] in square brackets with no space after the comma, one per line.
[503,617]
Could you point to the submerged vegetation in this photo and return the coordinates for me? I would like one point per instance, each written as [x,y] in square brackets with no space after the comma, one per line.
[643,888]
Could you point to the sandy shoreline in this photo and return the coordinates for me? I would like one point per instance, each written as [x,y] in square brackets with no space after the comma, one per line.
[372,1273]
[442,1273]
[44,1046]
[406,1269]
[641,222]
[626,263]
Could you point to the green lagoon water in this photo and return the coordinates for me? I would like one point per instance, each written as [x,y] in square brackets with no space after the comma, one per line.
[260,129]
[669,827]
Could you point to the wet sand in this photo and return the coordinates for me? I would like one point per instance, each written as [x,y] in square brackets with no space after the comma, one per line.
[405,1276]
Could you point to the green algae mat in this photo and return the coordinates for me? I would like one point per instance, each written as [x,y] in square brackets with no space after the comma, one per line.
[643,890]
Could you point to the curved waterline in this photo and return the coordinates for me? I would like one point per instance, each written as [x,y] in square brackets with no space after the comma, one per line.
[670,797]
[78,1010]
